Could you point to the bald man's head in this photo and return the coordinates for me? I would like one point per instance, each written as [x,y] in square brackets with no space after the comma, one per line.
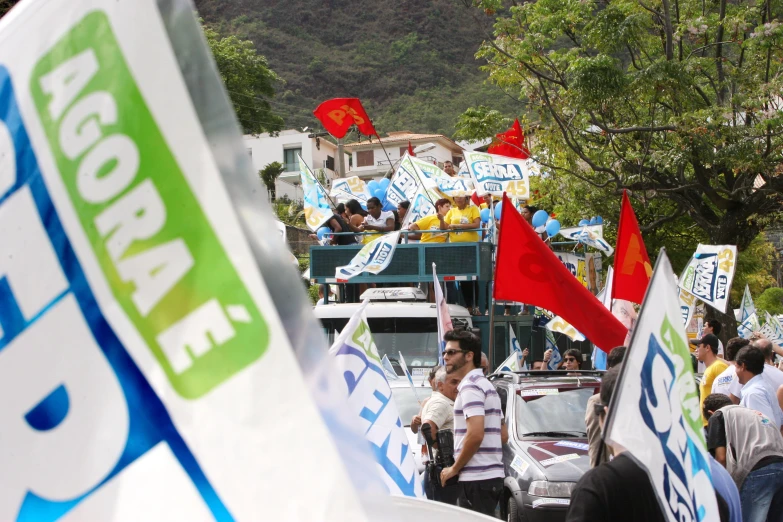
[765,345]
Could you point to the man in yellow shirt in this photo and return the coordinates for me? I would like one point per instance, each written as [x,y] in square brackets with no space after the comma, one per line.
[462,216]
[442,207]
[707,352]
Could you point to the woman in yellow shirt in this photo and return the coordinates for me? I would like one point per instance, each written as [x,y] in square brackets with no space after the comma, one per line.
[464,217]
[442,207]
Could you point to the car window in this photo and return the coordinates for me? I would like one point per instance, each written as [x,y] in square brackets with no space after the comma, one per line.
[407,405]
[560,412]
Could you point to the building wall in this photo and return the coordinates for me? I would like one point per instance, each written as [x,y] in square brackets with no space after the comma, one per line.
[381,164]
[265,149]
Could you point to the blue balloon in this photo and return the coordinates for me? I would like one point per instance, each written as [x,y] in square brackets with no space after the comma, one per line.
[498,210]
[384,183]
[593,221]
[378,192]
[372,186]
[389,206]
[584,222]
[552,227]
[599,220]
[539,218]
[484,215]
[321,232]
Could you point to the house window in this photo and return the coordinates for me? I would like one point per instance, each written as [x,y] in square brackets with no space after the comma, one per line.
[291,159]
[329,162]
[365,158]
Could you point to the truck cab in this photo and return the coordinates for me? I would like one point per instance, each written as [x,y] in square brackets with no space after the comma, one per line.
[400,322]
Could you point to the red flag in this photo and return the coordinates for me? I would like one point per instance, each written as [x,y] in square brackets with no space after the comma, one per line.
[528,272]
[410,150]
[510,143]
[338,114]
[475,199]
[632,268]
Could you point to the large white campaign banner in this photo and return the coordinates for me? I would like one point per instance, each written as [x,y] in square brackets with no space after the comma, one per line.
[145,371]
[370,401]
[435,178]
[709,274]
[374,257]
[493,174]
[654,413]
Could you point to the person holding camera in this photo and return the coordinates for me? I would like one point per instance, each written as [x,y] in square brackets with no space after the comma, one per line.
[479,432]
[439,414]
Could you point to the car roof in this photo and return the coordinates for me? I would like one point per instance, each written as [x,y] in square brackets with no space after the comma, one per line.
[532,379]
[387,309]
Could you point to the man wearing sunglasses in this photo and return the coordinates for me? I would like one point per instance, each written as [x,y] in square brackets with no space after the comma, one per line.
[479,431]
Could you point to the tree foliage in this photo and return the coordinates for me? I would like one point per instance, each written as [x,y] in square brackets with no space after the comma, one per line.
[771,301]
[249,81]
[6,5]
[269,175]
[411,62]
[675,100]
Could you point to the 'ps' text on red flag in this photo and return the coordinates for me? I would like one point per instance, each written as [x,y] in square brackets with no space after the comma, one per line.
[338,114]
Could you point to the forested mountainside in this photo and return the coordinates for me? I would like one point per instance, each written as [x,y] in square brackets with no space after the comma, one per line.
[411,62]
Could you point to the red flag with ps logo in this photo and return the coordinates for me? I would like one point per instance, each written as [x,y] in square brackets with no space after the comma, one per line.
[338,114]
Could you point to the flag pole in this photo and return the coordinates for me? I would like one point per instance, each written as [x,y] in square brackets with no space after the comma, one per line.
[491,350]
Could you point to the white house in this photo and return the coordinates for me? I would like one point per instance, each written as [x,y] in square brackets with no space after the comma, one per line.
[319,154]
[369,161]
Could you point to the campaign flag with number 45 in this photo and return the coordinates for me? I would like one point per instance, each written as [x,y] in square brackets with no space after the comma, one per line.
[654,413]
[709,274]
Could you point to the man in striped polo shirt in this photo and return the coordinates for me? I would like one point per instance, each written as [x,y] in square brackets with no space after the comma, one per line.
[479,431]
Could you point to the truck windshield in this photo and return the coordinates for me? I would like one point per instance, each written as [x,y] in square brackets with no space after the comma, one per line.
[415,337]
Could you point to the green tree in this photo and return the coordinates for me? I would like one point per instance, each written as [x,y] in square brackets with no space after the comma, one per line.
[676,100]
[770,301]
[249,81]
[269,175]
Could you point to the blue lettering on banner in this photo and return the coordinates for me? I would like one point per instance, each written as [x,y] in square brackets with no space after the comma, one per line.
[367,385]
[485,171]
[658,377]
[491,186]
[723,283]
[704,282]
[383,252]
[146,421]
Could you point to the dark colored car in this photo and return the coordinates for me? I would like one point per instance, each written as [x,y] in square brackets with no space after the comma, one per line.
[546,452]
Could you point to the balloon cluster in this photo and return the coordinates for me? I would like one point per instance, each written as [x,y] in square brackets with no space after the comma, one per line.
[378,190]
[595,220]
[542,222]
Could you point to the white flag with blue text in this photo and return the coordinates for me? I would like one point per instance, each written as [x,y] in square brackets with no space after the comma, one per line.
[514,361]
[709,274]
[316,204]
[654,413]
[345,189]
[590,235]
[374,257]
[370,400]
[494,174]
[747,308]
[748,326]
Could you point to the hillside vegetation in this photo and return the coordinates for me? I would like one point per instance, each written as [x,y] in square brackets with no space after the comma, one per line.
[411,62]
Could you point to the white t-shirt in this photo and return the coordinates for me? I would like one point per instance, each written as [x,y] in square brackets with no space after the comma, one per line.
[771,374]
[722,382]
[702,368]
[381,221]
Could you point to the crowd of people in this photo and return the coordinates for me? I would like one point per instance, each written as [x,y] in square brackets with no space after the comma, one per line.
[741,395]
